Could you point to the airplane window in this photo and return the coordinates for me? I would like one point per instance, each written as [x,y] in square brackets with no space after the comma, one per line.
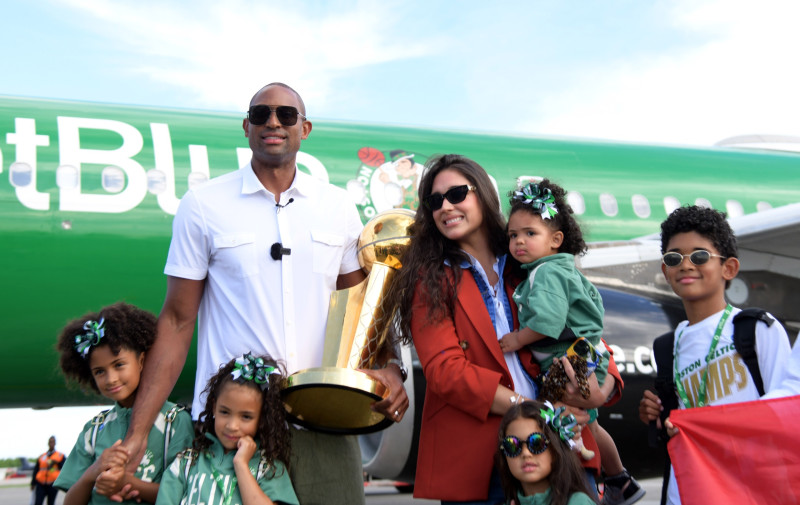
[671,203]
[762,206]
[156,181]
[734,208]
[702,202]
[20,174]
[575,200]
[113,179]
[196,179]
[641,207]
[608,204]
[67,177]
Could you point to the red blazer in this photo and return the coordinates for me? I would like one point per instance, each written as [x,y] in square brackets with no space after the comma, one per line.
[463,365]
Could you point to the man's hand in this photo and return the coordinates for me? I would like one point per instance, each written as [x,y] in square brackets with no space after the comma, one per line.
[396,404]
[650,408]
[135,449]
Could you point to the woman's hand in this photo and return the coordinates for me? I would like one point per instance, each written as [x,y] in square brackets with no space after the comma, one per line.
[598,395]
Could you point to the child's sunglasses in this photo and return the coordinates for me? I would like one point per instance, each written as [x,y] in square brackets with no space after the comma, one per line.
[511,446]
[699,257]
[286,114]
[455,195]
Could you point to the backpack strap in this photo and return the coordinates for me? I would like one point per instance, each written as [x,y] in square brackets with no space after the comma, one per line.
[665,387]
[97,423]
[263,465]
[169,417]
[744,340]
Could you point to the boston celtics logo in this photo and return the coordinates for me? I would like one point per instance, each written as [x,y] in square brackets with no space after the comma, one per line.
[386,182]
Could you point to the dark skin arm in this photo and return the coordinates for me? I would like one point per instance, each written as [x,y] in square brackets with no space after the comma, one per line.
[165,360]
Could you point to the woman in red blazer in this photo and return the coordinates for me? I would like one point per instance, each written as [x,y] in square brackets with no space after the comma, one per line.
[453,297]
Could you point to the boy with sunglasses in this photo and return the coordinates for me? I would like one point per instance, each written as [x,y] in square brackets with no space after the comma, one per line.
[699,261]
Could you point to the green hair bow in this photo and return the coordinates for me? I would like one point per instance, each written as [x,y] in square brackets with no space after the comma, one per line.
[95,331]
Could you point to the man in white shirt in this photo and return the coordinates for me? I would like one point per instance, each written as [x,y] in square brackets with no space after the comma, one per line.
[256,254]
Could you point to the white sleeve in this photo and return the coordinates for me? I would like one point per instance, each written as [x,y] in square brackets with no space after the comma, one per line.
[189,249]
[353,228]
[791,383]
[773,351]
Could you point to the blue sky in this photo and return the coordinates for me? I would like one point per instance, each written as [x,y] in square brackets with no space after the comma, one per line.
[678,72]
[651,71]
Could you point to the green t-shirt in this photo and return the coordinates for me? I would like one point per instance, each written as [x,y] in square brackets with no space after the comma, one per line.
[113,425]
[544,499]
[197,486]
[560,297]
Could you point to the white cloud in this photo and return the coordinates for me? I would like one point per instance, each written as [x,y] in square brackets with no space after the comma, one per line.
[739,79]
[224,51]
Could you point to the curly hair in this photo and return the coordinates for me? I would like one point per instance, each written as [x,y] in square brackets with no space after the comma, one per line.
[424,259]
[709,223]
[273,431]
[564,221]
[566,475]
[126,327]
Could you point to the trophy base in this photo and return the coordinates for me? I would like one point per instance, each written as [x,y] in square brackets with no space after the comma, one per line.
[334,400]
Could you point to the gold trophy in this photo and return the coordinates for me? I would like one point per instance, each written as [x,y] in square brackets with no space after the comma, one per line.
[336,397]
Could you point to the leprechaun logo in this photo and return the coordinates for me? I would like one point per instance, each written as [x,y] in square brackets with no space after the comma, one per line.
[385,182]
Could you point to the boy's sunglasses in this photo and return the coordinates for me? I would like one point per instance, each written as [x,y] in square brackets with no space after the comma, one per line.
[511,446]
[287,115]
[455,195]
[699,257]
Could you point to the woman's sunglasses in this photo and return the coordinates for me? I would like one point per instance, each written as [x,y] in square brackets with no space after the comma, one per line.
[699,257]
[511,446]
[455,195]
[286,114]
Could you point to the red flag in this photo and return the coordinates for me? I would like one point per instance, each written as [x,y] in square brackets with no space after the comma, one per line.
[738,453]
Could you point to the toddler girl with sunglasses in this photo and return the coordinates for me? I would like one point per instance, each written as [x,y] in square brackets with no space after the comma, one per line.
[105,352]
[561,312]
[535,463]
[241,452]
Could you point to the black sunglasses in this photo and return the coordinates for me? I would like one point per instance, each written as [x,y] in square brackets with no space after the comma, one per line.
[286,114]
[699,257]
[511,446]
[455,195]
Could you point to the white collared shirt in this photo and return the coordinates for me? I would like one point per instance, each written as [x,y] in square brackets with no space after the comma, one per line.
[223,232]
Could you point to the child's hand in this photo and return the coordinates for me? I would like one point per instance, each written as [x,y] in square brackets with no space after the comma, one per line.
[671,429]
[127,493]
[110,481]
[245,448]
[115,455]
[510,342]
[650,408]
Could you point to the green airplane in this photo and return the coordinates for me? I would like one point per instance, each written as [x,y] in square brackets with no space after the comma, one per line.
[88,191]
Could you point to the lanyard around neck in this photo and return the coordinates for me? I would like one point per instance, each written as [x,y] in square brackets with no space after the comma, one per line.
[701,392]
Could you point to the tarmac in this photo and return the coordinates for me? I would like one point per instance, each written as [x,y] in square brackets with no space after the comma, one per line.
[17,492]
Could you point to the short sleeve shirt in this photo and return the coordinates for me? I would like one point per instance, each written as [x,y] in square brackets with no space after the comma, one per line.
[224,231]
[113,425]
[198,486]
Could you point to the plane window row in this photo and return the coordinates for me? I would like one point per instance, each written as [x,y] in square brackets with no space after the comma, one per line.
[641,205]
[21,175]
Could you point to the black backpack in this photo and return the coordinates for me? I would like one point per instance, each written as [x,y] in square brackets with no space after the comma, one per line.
[744,340]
